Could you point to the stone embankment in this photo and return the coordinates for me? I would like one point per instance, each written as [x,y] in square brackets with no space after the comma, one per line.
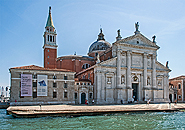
[89,110]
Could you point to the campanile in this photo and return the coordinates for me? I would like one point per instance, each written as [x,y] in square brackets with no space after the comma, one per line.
[50,46]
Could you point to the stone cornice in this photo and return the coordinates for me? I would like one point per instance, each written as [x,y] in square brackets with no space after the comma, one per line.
[149,44]
[50,46]
[137,46]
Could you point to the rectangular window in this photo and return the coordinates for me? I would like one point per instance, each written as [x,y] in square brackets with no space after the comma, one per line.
[54,77]
[19,84]
[75,95]
[65,77]
[34,76]
[34,84]
[90,95]
[34,94]
[65,85]
[65,94]
[54,85]
[54,94]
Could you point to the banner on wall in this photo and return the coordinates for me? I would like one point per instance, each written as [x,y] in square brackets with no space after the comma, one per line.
[26,85]
[42,85]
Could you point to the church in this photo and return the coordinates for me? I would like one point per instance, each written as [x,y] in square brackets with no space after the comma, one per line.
[122,72]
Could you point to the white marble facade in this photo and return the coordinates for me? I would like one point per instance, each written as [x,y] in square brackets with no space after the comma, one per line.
[133,74]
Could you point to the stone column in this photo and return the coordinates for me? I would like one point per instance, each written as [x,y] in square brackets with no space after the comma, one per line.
[153,71]
[98,86]
[128,77]
[118,74]
[166,88]
[154,76]
[118,70]
[145,70]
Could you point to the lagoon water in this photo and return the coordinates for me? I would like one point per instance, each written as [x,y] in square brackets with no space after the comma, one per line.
[149,120]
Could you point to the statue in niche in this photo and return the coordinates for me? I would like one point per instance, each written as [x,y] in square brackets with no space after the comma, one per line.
[148,81]
[159,83]
[122,79]
[108,80]
[122,61]
[135,78]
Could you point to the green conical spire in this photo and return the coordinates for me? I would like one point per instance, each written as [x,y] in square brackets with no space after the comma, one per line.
[49,21]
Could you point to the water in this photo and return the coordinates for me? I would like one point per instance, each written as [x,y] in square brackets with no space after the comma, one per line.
[155,120]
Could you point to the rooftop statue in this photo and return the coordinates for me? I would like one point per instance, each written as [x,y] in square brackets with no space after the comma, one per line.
[137,26]
[154,37]
[98,58]
[167,64]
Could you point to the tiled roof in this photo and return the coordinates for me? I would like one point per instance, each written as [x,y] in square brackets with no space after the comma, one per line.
[34,67]
[178,78]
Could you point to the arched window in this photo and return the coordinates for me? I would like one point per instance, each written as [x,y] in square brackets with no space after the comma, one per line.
[85,66]
[50,38]
[179,86]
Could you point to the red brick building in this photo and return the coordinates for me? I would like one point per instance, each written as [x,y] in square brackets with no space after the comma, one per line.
[74,62]
[179,84]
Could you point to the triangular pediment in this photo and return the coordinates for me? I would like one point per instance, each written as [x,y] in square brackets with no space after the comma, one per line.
[139,40]
[161,67]
[111,62]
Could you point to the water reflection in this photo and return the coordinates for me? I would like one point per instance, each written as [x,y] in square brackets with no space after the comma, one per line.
[157,120]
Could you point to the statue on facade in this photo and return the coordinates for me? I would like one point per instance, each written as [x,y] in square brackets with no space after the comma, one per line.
[154,37]
[98,58]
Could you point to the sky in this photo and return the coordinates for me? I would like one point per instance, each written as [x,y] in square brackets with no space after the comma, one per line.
[78,22]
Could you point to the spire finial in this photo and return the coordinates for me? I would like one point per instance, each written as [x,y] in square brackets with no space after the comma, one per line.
[119,35]
[50,9]
[101,35]
[49,21]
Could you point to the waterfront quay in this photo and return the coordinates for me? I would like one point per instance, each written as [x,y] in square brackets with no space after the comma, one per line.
[89,110]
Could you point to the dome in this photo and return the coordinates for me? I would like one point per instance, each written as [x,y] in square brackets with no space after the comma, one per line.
[100,44]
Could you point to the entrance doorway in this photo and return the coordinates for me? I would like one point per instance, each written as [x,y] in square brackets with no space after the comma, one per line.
[83,97]
[135,91]
[170,97]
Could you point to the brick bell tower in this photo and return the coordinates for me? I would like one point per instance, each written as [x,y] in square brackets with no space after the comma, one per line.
[50,46]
